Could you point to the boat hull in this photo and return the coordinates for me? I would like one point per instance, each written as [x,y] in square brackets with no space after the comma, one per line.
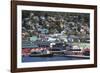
[41,55]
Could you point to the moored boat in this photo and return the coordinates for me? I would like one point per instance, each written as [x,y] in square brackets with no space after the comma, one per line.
[41,55]
[44,53]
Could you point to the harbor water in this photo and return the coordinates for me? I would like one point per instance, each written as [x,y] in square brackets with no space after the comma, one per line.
[42,59]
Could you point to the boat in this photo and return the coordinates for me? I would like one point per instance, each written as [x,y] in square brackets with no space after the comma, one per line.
[41,55]
[44,53]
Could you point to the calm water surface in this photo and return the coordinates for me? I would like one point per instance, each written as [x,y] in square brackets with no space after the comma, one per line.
[40,59]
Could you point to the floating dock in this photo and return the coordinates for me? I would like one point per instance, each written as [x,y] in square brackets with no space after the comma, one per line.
[78,56]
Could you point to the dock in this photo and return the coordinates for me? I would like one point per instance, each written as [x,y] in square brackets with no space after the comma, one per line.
[78,56]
